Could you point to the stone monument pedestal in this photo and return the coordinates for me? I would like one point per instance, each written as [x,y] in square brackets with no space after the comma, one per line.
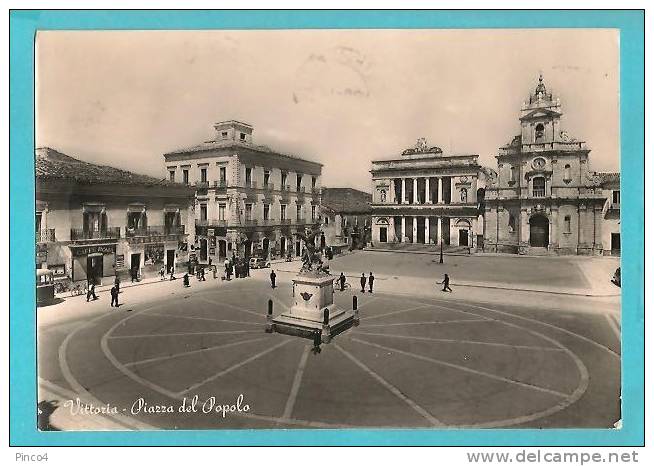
[313,294]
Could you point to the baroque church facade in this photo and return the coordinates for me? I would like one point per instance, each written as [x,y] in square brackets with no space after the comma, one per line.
[543,198]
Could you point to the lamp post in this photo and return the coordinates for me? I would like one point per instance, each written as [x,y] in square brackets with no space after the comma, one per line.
[440,259]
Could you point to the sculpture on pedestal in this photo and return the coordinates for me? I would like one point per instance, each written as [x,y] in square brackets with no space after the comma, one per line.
[312,263]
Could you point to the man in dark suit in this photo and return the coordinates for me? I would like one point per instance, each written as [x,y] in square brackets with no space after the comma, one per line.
[363,283]
[371,279]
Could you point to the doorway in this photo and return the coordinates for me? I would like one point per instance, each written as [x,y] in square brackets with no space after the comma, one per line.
[383,235]
[282,246]
[222,249]
[539,231]
[266,247]
[94,268]
[135,263]
[170,260]
[463,237]
[615,244]
[203,250]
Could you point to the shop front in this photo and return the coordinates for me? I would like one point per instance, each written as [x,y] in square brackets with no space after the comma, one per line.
[93,263]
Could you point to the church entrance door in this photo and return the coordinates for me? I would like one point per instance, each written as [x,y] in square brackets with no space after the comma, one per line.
[539,231]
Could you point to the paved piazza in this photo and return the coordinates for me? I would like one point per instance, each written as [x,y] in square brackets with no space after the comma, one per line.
[423,361]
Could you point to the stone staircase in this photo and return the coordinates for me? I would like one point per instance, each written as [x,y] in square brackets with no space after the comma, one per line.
[417,247]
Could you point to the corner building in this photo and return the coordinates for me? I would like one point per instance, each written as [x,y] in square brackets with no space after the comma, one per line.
[543,199]
[249,199]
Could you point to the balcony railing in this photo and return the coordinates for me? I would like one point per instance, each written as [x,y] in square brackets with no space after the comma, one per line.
[300,189]
[77,234]
[285,221]
[211,223]
[251,221]
[220,184]
[285,187]
[250,184]
[538,192]
[155,230]
[315,190]
[45,236]
[201,184]
[269,221]
[268,186]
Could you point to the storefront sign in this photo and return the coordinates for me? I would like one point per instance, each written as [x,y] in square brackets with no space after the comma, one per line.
[93,249]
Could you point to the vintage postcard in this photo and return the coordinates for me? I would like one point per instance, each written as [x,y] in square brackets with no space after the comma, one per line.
[319,229]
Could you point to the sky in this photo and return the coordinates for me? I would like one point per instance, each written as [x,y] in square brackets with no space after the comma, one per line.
[339,97]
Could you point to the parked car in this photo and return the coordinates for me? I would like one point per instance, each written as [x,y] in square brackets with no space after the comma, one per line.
[617,280]
[259,263]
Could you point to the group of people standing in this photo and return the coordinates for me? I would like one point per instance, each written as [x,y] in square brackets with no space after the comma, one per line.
[237,266]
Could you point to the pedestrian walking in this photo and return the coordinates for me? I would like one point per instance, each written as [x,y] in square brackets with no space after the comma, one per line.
[446,283]
[186,281]
[91,292]
[273,277]
[371,279]
[162,272]
[341,281]
[114,296]
[202,275]
[363,283]
[210,262]
[172,274]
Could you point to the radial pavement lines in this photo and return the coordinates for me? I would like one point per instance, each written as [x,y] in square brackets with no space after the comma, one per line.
[392,388]
[297,380]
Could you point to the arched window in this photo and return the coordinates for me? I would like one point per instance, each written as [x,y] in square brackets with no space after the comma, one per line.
[566,173]
[539,186]
[540,132]
[566,224]
[512,175]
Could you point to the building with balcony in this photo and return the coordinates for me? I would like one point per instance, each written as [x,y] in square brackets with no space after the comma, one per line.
[346,218]
[248,198]
[610,183]
[543,199]
[424,197]
[94,221]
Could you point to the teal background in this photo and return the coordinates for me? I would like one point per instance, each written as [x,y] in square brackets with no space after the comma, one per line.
[22,324]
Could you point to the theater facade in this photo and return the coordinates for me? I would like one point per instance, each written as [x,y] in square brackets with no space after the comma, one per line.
[423,197]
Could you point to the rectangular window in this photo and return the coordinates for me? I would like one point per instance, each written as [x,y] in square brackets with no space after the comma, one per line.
[223,174]
[299,181]
[566,224]
[171,176]
[248,175]
[203,211]
[313,182]
[221,211]
[266,177]
[284,175]
[185,176]
[616,197]
[242,136]
[266,211]
[539,187]
[282,211]
[38,221]
[313,212]
[203,175]
[248,211]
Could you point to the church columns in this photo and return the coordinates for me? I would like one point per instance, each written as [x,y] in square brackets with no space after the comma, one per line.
[415,190]
[427,194]
[524,226]
[415,230]
[554,222]
[426,230]
[403,226]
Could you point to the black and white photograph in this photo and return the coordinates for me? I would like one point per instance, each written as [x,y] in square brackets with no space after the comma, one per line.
[328,229]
